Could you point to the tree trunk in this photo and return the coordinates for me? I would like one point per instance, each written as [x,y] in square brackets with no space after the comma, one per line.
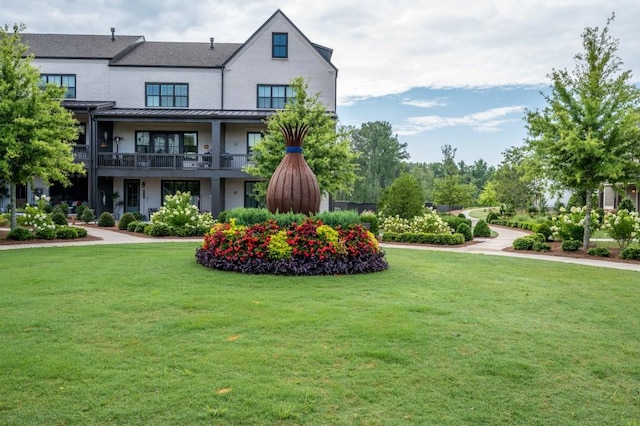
[587,221]
[12,204]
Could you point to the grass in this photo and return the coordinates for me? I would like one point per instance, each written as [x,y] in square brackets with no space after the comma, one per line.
[141,334]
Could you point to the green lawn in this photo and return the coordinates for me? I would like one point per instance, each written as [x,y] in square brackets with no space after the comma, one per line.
[141,334]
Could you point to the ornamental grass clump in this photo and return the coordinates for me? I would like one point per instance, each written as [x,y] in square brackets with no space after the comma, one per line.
[306,248]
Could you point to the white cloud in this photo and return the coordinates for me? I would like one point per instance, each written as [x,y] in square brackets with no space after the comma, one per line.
[485,121]
[427,104]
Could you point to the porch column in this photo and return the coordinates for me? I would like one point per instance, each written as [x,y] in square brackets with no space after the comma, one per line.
[217,199]
[216,142]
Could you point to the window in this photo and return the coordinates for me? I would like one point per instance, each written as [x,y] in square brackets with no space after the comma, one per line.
[273,96]
[167,95]
[252,139]
[250,200]
[68,81]
[279,45]
[167,142]
[170,187]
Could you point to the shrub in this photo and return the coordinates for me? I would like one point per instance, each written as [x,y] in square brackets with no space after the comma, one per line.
[372,220]
[545,230]
[430,222]
[46,233]
[137,216]
[19,234]
[82,233]
[492,216]
[571,245]
[541,246]
[158,230]
[524,243]
[454,221]
[125,220]
[630,253]
[63,208]
[59,218]
[461,215]
[465,230]
[569,225]
[481,229]
[88,215]
[538,237]
[106,220]
[132,226]
[627,204]
[599,251]
[79,210]
[36,217]
[67,232]
[423,238]
[623,226]
[344,218]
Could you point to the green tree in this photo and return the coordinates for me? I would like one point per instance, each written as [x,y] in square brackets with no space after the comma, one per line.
[380,157]
[589,132]
[451,191]
[36,132]
[326,149]
[403,197]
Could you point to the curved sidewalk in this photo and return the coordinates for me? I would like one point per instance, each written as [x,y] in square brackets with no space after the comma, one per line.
[486,246]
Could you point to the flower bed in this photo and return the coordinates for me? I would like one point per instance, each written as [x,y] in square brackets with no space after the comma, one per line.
[307,248]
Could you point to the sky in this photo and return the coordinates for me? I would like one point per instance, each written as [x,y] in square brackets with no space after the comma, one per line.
[455,72]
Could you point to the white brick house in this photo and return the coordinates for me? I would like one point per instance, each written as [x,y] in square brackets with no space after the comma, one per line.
[157,117]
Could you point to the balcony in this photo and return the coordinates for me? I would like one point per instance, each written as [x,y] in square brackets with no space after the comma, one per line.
[135,160]
[80,153]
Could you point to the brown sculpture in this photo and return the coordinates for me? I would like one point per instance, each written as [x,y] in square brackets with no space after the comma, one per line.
[293,186]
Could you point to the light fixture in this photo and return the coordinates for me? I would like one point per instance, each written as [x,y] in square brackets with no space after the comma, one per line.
[106,135]
[143,184]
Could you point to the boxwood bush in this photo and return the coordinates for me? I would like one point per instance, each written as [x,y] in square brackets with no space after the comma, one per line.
[465,230]
[523,243]
[59,218]
[20,234]
[481,229]
[571,245]
[106,220]
[125,220]
[67,232]
[599,251]
[630,253]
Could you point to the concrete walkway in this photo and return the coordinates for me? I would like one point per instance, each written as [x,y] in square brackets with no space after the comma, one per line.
[483,246]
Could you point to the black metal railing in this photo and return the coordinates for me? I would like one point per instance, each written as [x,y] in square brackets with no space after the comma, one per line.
[136,160]
[80,153]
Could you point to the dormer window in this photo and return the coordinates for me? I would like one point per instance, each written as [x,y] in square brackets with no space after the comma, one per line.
[280,45]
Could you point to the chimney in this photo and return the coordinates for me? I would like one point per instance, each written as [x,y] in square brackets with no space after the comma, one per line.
[113,34]
[211,40]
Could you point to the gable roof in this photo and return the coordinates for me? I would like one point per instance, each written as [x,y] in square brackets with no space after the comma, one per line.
[134,50]
[78,46]
[323,51]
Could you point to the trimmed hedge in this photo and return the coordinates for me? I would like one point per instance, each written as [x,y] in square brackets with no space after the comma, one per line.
[423,238]
[524,243]
[571,245]
[67,232]
[20,234]
[465,230]
[454,221]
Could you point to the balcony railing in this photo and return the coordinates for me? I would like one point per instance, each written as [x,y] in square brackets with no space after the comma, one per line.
[135,160]
[80,153]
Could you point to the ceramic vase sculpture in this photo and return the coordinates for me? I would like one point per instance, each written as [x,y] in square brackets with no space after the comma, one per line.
[293,187]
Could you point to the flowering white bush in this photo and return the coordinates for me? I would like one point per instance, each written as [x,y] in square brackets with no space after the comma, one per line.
[35,217]
[429,223]
[180,215]
[569,225]
[623,226]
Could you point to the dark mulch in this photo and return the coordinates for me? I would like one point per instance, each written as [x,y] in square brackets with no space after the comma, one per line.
[556,250]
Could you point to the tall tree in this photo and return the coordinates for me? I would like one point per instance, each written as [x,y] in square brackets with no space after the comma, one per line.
[380,159]
[451,191]
[326,148]
[403,198]
[36,132]
[589,132]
